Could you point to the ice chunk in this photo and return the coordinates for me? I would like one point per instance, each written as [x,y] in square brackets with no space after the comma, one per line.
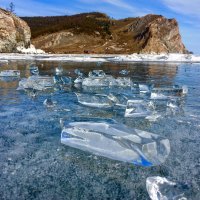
[78,72]
[159,188]
[36,82]
[124,72]
[34,70]
[10,73]
[96,101]
[174,107]
[59,70]
[121,82]
[96,73]
[96,82]
[62,80]
[139,108]
[118,99]
[164,93]
[145,88]
[48,103]
[78,80]
[158,96]
[116,141]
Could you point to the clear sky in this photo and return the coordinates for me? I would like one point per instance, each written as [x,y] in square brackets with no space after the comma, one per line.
[187,12]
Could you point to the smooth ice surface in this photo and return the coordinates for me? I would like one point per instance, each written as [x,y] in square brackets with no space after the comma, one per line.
[10,73]
[159,188]
[96,101]
[117,141]
[35,165]
[139,108]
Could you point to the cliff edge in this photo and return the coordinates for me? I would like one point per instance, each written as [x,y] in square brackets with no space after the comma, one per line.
[14,32]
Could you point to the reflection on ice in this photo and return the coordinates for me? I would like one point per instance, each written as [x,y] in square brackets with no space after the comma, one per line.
[116,141]
[159,188]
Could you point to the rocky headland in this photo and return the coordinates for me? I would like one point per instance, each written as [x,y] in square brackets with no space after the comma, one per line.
[90,33]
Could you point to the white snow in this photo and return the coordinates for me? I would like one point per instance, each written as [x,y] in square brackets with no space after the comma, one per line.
[31,50]
[34,54]
[172,57]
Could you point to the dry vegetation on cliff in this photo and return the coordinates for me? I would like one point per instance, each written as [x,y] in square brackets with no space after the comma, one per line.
[97,33]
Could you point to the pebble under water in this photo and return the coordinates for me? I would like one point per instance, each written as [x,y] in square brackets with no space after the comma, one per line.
[35,165]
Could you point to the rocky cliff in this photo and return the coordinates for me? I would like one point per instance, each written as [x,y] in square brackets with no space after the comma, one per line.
[97,33]
[14,32]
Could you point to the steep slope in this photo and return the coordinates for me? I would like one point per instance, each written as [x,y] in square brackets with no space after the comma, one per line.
[97,33]
[14,32]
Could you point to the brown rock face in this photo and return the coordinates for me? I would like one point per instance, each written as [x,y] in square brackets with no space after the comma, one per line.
[160,35]
[97,33]
[14,32]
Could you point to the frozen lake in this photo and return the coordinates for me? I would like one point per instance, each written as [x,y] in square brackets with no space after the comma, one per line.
[36,165]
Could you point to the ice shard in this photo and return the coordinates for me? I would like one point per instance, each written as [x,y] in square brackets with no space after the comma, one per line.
[124,72]
[78,80]
[145,88]
[96,73]
[62,80]
[36,83]
[167,93]
[59,70]
[139,108]
[95,101]
[121,82]
[116,141]
[34,70]
[159,188]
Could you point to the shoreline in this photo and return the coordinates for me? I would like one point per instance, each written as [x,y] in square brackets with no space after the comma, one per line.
[122,58]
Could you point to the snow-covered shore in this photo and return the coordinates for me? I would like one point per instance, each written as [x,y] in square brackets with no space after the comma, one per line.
[179,58]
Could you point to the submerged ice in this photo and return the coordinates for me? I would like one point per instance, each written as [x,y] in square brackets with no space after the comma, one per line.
[117,142]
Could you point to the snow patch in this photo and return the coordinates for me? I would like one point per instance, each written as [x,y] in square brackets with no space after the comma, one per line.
[30,50]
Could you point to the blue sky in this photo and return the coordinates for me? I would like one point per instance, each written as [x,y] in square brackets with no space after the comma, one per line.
[187,12]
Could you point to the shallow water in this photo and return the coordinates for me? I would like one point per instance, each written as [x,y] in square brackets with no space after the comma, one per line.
[35,165]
